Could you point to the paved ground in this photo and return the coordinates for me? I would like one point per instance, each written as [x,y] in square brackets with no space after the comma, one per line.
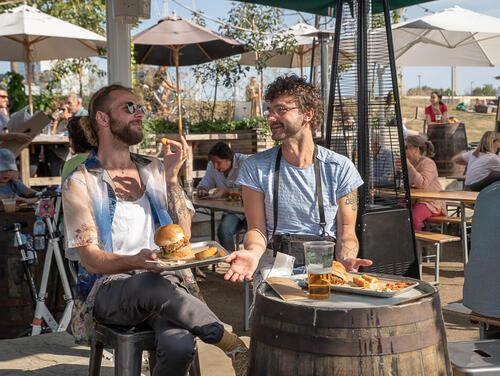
[56,355]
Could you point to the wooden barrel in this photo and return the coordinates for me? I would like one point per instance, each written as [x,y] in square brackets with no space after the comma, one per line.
[448,140]
[329,338]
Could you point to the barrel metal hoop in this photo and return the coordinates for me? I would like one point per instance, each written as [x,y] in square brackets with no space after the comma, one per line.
[355,347]
[349,318]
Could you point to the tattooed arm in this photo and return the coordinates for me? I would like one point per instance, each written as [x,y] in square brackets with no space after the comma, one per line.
[347,242]
[177,207]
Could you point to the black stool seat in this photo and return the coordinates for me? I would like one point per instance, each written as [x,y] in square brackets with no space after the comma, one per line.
[128,343]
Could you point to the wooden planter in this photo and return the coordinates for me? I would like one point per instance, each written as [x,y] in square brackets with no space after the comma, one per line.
[246,142]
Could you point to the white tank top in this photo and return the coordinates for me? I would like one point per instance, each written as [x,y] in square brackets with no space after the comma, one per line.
[133,227]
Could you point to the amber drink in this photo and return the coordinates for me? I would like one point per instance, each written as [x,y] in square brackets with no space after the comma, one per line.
[318,258]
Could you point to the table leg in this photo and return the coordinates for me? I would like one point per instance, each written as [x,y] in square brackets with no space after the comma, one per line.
[212,224]
[463,229]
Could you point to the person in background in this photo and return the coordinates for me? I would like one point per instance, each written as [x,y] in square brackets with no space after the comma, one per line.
[4,108]
[437,112]
[222,171]
[252,92]
[72,107]
[79,145]
[10,185]
[423,174]
[483,164]
[383,165]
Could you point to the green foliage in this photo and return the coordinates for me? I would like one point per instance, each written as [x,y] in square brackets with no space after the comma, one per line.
[265,25]
[47,101]
[15,87]
[484,91]
[160,125]
[427,90]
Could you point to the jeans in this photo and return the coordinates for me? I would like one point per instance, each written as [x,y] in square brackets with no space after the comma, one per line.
[165,305]
[229,226]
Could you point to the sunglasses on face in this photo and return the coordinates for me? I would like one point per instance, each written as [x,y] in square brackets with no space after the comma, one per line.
[132,108]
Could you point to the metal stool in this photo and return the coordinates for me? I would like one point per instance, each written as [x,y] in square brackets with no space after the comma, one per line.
[128,343]
[475,357]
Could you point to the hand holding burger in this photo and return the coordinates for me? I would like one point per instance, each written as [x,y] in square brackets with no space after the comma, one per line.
[174,244]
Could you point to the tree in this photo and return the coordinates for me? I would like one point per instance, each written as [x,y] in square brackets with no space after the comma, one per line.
[484,91]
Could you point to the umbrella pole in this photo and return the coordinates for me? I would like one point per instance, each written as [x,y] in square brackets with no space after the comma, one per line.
[176,61]
[28,73]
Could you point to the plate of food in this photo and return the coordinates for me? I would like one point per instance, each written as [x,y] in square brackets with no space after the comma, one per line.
[176,252]
[367,283]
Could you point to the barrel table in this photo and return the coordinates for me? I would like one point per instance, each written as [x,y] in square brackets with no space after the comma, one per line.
[448,140]
[349,335]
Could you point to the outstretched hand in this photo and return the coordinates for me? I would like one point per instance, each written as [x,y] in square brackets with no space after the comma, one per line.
[173,160]
[243,265]
[353,264]
[141,260]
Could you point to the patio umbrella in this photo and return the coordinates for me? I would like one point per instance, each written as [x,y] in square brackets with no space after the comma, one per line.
[27,35]
[301,55]
[452,37]
[174,41]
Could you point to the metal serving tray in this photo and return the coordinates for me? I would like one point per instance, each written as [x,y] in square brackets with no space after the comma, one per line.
[302,281]
[192,262]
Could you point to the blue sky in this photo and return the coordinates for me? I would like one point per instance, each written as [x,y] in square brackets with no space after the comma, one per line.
[438,77]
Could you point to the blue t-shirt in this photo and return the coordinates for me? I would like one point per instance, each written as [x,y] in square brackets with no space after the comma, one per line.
[298,211]
[16,187]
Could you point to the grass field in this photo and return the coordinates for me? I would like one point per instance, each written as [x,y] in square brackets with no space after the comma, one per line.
[475,124]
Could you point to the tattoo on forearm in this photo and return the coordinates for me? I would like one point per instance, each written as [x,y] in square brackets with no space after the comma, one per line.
[348,249]
[176,202]
[352,200]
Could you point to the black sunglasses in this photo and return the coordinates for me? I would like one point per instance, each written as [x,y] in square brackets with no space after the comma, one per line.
[132,108]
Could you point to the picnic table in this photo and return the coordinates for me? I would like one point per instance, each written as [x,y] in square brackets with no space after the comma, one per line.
[461,197]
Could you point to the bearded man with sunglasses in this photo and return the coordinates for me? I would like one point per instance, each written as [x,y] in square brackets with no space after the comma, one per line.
[281,191]
[112,205]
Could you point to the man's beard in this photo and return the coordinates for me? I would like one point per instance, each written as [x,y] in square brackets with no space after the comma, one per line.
[127,133]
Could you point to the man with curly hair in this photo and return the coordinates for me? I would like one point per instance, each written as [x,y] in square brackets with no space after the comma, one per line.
[280,193]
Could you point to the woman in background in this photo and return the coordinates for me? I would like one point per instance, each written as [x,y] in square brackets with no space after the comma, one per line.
[437,112]
[79,145]
[483,164]
[423,174]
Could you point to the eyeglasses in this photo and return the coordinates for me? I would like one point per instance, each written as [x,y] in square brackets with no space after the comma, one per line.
[278,110]
[132,108]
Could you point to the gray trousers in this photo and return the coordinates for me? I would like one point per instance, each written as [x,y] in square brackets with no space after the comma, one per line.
[162,302]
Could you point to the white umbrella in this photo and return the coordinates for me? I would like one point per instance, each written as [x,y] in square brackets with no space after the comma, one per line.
[27,34]
[452,37]
[298,58]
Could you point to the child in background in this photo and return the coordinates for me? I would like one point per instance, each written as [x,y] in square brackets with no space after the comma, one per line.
[10,185]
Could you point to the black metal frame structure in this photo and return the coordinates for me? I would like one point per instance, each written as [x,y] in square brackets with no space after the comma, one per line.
[360,123]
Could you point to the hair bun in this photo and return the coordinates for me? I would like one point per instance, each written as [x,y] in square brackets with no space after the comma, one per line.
[90,135]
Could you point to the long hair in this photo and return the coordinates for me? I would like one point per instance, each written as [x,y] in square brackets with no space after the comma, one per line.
[486,143]
[420,141]
[440,97]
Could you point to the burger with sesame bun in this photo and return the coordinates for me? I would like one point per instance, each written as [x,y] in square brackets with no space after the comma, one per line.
[174,244]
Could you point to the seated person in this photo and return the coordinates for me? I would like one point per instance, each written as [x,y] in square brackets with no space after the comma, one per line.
[10,185]
[79,145]
[437,112]
[423,174]
[222,171]
[113,203]
[383,165]
[483,164]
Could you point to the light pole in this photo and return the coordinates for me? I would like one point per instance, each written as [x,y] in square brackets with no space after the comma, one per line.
[419,75]
[471,87]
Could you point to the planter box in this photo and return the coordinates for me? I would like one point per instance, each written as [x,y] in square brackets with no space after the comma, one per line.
[245,142]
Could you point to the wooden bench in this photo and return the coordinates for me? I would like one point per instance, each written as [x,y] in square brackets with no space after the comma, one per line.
[443,219]
[438,240]
[457,308]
